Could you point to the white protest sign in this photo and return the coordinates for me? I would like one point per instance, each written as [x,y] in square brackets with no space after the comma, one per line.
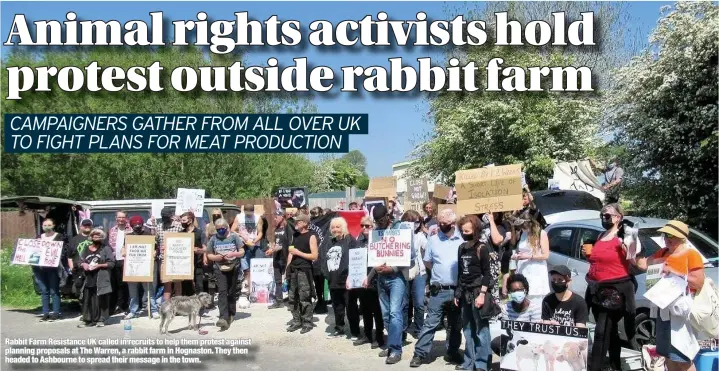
[178,261]
[390,246]
[263,281]
[139,259]
[37,252]
[654,274]
[543,347]
[119,243]
[357,268]
[157,206]
[190,199]
[666,291]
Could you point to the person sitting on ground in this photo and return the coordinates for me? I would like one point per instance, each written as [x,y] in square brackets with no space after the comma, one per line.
[562,307]
[519,308]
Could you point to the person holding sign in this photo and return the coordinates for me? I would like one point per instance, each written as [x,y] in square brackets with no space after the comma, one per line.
[225,249]
[138,229]
[519,308]
[335,266]
[677,259]
[302,254]
[48,278]
[168,225]
[98,261]
[248,225]
[368,298]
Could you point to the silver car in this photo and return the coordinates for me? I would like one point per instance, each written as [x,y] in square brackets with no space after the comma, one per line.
[565,244]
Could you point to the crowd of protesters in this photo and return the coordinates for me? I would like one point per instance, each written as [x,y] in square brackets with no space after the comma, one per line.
[469,270]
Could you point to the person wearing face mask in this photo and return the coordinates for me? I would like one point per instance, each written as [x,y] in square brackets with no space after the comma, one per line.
[473,295]
[367,295]
[48,278]
[441,258]
[119,299]
[278,252]
[563,307]
[610,291]
[334,260]
[532,254]
[97,259]
[225,249]
[613,176]
[136,298]
[168,225]
[417,275]
[518,308]
[187,221]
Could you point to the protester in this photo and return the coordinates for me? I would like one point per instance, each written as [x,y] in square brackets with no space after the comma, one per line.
[353,206]
[249,226]
[98,261]
[79,240]
[528,206]
[316,212]
[119,298]
[676,340]
[613,177]
[392,290]
[210,227]
[302,254]
[531,256]
[430,220]
[168,225]
[136,299]
[441,258]
[417,275]
[495,235]
[186,288]
[207,267]
[318,279]
[520,308]
[48,278]
[473,296]
[368,298]
[278,252]
[335,266]
[563,307]
[226,250]
[610,291]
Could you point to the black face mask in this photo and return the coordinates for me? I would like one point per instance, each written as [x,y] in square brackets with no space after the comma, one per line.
[97,243]
[216,217]
[185,225]
[559,287]
[167,219]
[467,237]
[607,224]
[445,228]
[137,229]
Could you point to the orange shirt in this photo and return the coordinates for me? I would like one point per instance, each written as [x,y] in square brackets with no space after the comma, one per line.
[680,263]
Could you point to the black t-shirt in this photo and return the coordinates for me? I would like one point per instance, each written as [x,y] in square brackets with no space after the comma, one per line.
[567,313]
[473,269]
[72,252]
[198,241]
[302,243]
[282,240]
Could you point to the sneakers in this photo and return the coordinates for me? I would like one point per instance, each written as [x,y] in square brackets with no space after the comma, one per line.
[454,358]
[334,334]
[100,324]
[361,341]
[243,303]
[354,337]
[375,345]
[415,362]
[155,315]
[130,316]
[306,329]
[45,318]
[276,305]
[85,325]
[384,353]
[294,327]
[393,358]
[54,317]
[222,324]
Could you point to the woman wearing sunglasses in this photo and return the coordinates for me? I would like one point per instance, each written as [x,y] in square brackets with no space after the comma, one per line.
[417,274]
[368,297]
[610,291]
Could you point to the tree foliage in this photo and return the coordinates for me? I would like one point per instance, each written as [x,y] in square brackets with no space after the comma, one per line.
[336,174]
[356,159]
[123,176]
[664,112]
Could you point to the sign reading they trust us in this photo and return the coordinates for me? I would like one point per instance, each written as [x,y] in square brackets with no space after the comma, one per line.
[130,133]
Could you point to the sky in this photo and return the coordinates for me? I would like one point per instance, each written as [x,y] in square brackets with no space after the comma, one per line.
[395,123]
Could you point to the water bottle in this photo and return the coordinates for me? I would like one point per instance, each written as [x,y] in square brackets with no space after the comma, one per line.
[284,286]
[128,328]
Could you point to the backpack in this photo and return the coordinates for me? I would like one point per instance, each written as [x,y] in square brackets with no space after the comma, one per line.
[704,317]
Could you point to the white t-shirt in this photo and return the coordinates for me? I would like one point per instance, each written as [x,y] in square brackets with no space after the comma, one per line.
[46,238]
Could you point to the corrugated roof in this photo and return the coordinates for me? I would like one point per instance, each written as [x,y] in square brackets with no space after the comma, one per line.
[336,194]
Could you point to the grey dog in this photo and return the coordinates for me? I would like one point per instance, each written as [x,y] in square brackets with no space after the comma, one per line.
[186,306]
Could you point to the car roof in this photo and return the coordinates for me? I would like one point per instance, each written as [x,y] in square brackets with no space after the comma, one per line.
[639,222]
[147,203]
[36,202]
[552,192]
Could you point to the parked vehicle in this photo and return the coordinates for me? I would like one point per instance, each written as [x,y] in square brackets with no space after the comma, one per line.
[566,205]
[565,244]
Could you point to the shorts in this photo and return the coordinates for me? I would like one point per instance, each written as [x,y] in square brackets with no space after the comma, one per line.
[251,252]
[664,343]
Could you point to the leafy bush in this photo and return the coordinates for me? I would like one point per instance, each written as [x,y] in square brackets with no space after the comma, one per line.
[17,287]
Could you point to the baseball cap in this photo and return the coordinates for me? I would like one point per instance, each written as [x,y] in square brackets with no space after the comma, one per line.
[302,218]
[379,212]
[561,270]
[136,220]
[86,223]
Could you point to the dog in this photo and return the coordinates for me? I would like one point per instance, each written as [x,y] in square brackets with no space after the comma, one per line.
[187,306]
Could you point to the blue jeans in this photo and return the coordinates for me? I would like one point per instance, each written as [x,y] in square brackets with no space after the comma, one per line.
[251,252]
[136,300]
[477,347]
[48,281]
[392,291]
[437,306]
[418,285]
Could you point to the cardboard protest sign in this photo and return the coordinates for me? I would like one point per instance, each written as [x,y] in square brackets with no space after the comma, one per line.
[292,197]
[382,187]
[139,259]
[190,199]
[417,190]
[542,347]
[37,252]
[441,191]
[263,281]
[179,260]
[357,268]
[390,246]
[496,189]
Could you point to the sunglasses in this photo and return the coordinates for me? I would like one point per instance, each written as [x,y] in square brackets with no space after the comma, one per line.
[606,216]
[368,226]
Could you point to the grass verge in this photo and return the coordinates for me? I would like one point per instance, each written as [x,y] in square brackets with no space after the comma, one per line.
[18,291]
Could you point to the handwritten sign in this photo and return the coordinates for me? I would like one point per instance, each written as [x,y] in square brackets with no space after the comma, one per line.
[263,281]
[291,197]
[178,263]
[417,190]
[156,210]
[139,260]
[543,347]
[441,191]
[37,252]
[497,188]
[357,268]
[654,274]
[382,187]
[190,199]
[390,246]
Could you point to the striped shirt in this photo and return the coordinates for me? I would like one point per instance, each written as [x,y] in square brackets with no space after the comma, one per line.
[160,236]
[533,313]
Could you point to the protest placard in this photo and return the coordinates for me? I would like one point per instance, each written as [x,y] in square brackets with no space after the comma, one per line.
[190,199]
[291,197]
[139,259]
[543,347]
[37,252]
[156,209]
[390,246]
[385,186]
[263,281]
[496,189]
[179,259]
[654,274]
[416,190]
[357,268]
[441,191]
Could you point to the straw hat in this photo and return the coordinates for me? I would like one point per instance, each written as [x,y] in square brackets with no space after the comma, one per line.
[675,228]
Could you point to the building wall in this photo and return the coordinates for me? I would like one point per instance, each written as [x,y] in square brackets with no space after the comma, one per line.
[399,170]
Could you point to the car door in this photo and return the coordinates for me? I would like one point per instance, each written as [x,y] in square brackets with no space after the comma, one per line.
[560,245]
[578,264]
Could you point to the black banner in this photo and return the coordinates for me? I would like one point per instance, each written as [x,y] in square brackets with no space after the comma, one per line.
[321,227]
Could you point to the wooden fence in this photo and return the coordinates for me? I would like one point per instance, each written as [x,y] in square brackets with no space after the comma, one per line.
[13,225]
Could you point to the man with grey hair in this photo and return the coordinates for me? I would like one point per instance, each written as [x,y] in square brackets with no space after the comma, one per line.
[225,249]
[441,256]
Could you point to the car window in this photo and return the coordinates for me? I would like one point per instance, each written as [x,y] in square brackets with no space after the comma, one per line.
[560,240]
[559,201]
[702,243]
[586,236]
[106,219]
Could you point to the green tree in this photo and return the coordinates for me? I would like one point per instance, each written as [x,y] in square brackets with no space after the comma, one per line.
[123,176]
[664,112]
[356,159]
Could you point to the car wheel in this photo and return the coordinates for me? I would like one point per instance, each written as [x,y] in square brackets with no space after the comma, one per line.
[645,331]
